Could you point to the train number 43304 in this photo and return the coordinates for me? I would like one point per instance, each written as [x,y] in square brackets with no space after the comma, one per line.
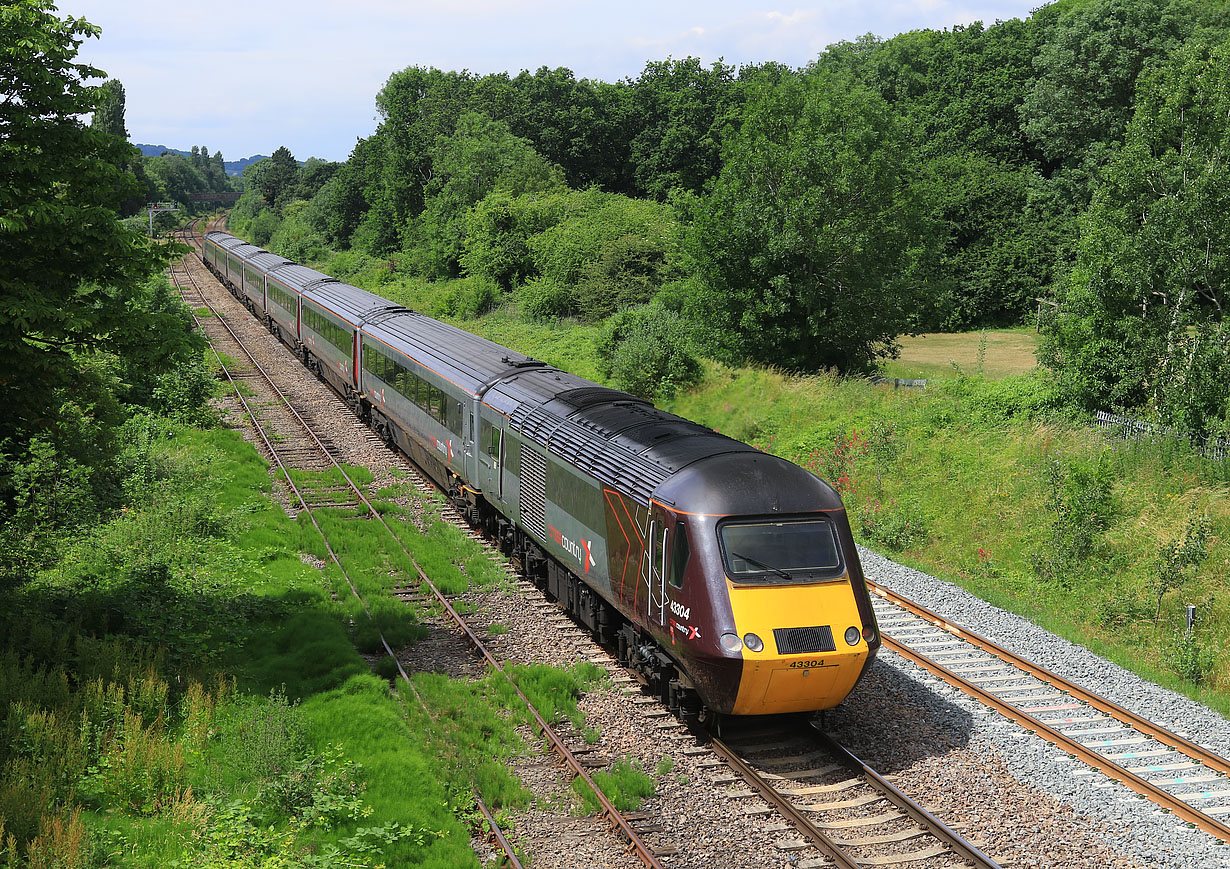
[806,665]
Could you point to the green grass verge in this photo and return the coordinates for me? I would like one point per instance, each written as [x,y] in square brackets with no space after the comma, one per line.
[184,690]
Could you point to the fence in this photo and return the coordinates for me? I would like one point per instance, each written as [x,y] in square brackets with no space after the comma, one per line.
[1128,428]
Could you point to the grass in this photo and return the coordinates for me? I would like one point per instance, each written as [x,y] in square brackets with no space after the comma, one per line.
[199,695]
[997,352]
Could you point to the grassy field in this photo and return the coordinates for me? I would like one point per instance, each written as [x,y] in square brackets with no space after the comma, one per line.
[994,354]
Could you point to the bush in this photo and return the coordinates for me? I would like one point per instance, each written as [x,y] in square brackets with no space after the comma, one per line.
[498,230]
[647,351]
[1083,506]
[546,299]
[895,526]
[612,250]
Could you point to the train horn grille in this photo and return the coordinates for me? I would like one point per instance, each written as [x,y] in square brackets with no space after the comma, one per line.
[798,641]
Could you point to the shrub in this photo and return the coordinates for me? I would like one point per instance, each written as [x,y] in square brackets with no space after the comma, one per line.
[545,299]
[648,351]
[895,526]
[1083,507]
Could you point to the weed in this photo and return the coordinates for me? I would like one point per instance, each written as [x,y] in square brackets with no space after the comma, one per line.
[625,785]
[897,527]
[1189,657]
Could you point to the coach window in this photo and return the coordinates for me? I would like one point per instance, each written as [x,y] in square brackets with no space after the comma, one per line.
[679,558]
[491,440]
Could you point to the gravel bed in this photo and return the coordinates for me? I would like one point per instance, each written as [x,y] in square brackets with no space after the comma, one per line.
[1125,822]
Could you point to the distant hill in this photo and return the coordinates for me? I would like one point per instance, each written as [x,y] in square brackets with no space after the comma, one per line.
[233,167]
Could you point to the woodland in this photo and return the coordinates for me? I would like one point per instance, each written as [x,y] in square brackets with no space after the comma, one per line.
[1068,169]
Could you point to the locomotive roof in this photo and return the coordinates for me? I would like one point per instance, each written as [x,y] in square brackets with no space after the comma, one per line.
[469,361]
[739,483]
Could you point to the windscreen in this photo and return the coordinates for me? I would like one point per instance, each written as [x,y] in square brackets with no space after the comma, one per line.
[800,550]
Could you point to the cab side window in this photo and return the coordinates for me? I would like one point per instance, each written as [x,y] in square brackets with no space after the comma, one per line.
[680,555]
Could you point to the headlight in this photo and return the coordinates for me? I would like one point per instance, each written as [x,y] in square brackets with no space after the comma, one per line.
[753,642]
[731,643]
[852,636]
[869,634]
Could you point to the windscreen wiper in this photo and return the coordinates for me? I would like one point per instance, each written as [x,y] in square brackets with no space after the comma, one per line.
[764,566]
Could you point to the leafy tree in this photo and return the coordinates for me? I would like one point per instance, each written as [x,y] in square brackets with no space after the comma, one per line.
[803,241]
[1142,315]
[1082,99]
[479,157]
[679,105]
[71,270]
[276,176]
[109,116]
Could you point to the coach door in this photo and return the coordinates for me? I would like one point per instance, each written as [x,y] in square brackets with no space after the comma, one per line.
[654,572]
[491,459]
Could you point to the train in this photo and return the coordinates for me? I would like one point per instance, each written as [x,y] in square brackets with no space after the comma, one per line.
[726,577]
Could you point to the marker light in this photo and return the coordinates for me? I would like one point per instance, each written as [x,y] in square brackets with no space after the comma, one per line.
[869,634]
[731,643]
[852,636]
[753,643]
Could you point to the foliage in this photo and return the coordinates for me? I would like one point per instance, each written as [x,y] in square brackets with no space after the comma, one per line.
[479,157]
[1083,506]
[895,526]
[109,115]
[1190,657]
[275,177]
[71,268]
[1179,559]
[802,243]
[648,352]
[1140,317]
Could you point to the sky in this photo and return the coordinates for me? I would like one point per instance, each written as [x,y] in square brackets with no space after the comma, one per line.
[247,77]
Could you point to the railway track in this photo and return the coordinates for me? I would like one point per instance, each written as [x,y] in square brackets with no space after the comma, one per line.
[836,806]
[1178,775]
[305,450]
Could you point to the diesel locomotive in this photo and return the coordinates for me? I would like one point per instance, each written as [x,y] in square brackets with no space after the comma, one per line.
[727,577]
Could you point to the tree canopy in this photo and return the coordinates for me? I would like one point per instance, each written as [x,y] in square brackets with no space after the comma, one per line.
[71,269]
[802,243]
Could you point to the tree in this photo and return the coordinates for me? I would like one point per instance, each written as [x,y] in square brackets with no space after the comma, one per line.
[679,106]
[1142,316]
[276,176]
[109,116]
[1082,98]
[479,157]
[71,269]
[803,241]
